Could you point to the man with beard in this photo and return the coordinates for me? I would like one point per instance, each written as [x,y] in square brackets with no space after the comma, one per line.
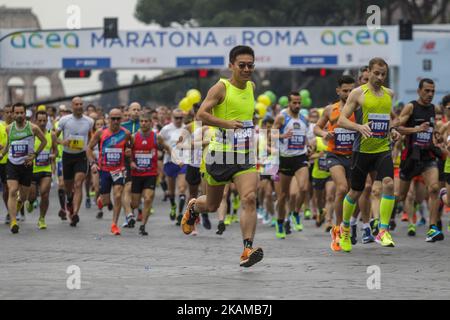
[417,122]
[293,163]
[21,153]
[372,104]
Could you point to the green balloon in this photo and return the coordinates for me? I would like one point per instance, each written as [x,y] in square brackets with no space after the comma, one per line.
[283,101]
[271,95]
[304,93]
[307,102]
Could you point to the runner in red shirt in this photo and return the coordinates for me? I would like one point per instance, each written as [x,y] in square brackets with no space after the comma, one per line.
[144,167]
[111,162]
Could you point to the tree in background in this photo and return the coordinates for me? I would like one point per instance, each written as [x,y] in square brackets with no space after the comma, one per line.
[275,13]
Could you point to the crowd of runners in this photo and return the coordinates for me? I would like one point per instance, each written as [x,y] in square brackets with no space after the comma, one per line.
[362,161]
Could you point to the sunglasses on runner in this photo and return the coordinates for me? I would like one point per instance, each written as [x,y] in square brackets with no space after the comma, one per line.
[178,118]
[250,66]
[116,118]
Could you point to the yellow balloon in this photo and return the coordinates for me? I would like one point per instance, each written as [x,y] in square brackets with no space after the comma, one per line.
[261,108]
[320,110]
[185,104]
[264,100]
[194,96]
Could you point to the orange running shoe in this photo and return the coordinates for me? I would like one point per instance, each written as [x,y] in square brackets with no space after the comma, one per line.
[405,217]
[335,236]
[251,256]
[189,218]
[115,229]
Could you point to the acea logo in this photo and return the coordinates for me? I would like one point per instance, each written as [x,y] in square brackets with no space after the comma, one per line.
[39,40]
[348,37]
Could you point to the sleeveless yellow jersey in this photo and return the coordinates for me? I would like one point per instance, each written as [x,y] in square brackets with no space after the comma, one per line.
[320,170]
[375,110]
[43,163]
[3,140]
[239,104]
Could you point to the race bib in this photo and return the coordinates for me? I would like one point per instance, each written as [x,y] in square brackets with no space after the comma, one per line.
[19,149]
[43,159]
[423,139]
[143,161]
[297,141]
[344,139]
[76,143]
[117,174]
[113,156]
[379,125]
[244,138]
[323,163]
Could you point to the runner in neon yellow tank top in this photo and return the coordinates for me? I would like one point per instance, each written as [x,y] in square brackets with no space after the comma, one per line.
[229,107]
[42,169]
[372,105]
[7,117]
[445,133]
[323,185]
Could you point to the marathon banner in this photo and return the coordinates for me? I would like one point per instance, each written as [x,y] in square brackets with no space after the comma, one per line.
[199,48]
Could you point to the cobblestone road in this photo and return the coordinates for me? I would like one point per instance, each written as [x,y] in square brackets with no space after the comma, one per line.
[169,265]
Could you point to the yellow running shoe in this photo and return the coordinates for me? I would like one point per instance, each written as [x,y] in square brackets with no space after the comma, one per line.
[235,218]
[384,238]
[344,242]
[14,227]
[41,224]
[228,219]
[30,206]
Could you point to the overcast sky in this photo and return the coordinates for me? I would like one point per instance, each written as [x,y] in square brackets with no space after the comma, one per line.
[53,14]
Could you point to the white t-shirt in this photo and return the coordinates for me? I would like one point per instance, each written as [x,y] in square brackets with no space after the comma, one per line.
[171,136]
[76,130]
[297,144]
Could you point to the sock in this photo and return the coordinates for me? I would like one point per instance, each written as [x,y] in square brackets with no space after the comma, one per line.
[182,202]
[136,212]
[280,221]
[62,198]
[386,207]
[295,214]
[172,201]
[228,204]
[248,243]
[164,185]
[366,225]
[353,221]
[348,210]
